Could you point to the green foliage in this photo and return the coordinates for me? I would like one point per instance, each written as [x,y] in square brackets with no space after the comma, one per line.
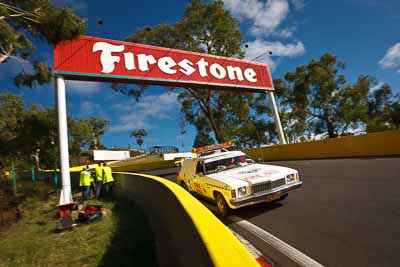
[139,134]
[26,131]
[24,22]
[203,139]
[12,112]
[318,100]
[81,136]
[41,75]
[208,28]
[98,128]
[255,133]
[383,110]
[127,89]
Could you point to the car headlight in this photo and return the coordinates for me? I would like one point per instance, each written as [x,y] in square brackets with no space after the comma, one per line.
[242,191]
[290,178]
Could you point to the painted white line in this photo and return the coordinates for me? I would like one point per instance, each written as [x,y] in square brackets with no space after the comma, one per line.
[257,255]
[286,249]
[253,251]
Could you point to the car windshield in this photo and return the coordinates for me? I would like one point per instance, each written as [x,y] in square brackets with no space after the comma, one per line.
[227,163]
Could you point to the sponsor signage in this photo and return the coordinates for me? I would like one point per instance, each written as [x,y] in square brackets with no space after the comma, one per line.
[99,155]
[95,59]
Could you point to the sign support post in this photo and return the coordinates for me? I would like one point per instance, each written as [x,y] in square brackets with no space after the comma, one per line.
[66,195]
[277,120]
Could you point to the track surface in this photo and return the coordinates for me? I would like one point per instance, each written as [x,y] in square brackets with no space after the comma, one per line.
[346,214]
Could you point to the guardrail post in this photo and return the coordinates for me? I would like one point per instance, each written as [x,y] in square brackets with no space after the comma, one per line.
[66,195]
[55,180]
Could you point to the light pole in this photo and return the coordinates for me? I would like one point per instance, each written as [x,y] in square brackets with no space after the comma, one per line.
[275,112]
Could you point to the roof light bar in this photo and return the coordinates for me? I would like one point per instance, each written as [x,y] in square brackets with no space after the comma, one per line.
[209,148]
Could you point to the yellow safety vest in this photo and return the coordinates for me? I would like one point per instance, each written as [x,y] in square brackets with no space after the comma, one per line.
[85,178]
[108,175]
[99,173]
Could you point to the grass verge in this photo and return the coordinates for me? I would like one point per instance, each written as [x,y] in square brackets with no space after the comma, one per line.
[121,238]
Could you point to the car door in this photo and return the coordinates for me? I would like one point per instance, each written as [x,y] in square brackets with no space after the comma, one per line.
[198,184]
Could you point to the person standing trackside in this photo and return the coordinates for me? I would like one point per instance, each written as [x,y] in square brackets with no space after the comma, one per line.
[107,180]
[99,179]
[84,183]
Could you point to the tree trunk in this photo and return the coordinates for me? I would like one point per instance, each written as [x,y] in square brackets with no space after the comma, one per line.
[331,129]
[97,141]
[206,107]
[215,128]
[214,125]
[5,54]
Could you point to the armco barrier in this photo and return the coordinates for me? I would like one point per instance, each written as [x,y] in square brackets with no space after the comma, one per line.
[186,233]
[160,164]
[369,145]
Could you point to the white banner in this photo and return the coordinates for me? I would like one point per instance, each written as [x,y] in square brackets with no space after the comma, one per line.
[99,155]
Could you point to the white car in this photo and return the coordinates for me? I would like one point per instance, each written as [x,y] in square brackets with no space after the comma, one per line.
[233,180]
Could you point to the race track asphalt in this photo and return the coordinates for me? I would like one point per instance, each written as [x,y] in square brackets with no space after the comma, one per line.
[346,214]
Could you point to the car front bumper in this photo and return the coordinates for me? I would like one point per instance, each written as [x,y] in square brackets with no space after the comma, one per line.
[262,196]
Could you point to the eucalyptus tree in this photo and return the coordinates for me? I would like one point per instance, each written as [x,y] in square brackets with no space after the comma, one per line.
[23,23]
[206,27]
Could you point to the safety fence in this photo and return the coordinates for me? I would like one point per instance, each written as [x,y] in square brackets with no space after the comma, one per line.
[369,145]
[22,181]
[186,232]
[132,167]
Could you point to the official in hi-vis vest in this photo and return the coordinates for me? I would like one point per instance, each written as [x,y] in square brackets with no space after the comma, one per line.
[84,183]
[99,179]
[108,180]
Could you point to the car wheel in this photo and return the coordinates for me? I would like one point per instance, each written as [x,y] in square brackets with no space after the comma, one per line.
[222,206]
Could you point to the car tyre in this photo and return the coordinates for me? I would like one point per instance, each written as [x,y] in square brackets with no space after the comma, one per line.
[222,206]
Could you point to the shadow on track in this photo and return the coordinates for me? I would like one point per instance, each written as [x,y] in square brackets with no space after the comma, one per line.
[256,210]
[245,212]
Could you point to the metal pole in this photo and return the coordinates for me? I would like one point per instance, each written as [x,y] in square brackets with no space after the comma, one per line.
[277,120]
[14,177]
[33,172]
[65,196]
[33,167]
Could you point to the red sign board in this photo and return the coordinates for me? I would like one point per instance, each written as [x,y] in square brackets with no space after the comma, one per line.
[96,59]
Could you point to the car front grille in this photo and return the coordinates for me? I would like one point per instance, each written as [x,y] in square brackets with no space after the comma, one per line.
[256,188]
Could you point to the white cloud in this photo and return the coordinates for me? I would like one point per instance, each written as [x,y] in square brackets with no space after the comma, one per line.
[265,16]
[391,60]
[285,33]
[78,87]
[89,108]
[139,115]
[259,47]
[266,19]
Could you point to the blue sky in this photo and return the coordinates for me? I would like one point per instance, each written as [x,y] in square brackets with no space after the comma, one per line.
[363,33]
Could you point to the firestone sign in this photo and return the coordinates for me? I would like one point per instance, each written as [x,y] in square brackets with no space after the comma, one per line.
[95,59]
